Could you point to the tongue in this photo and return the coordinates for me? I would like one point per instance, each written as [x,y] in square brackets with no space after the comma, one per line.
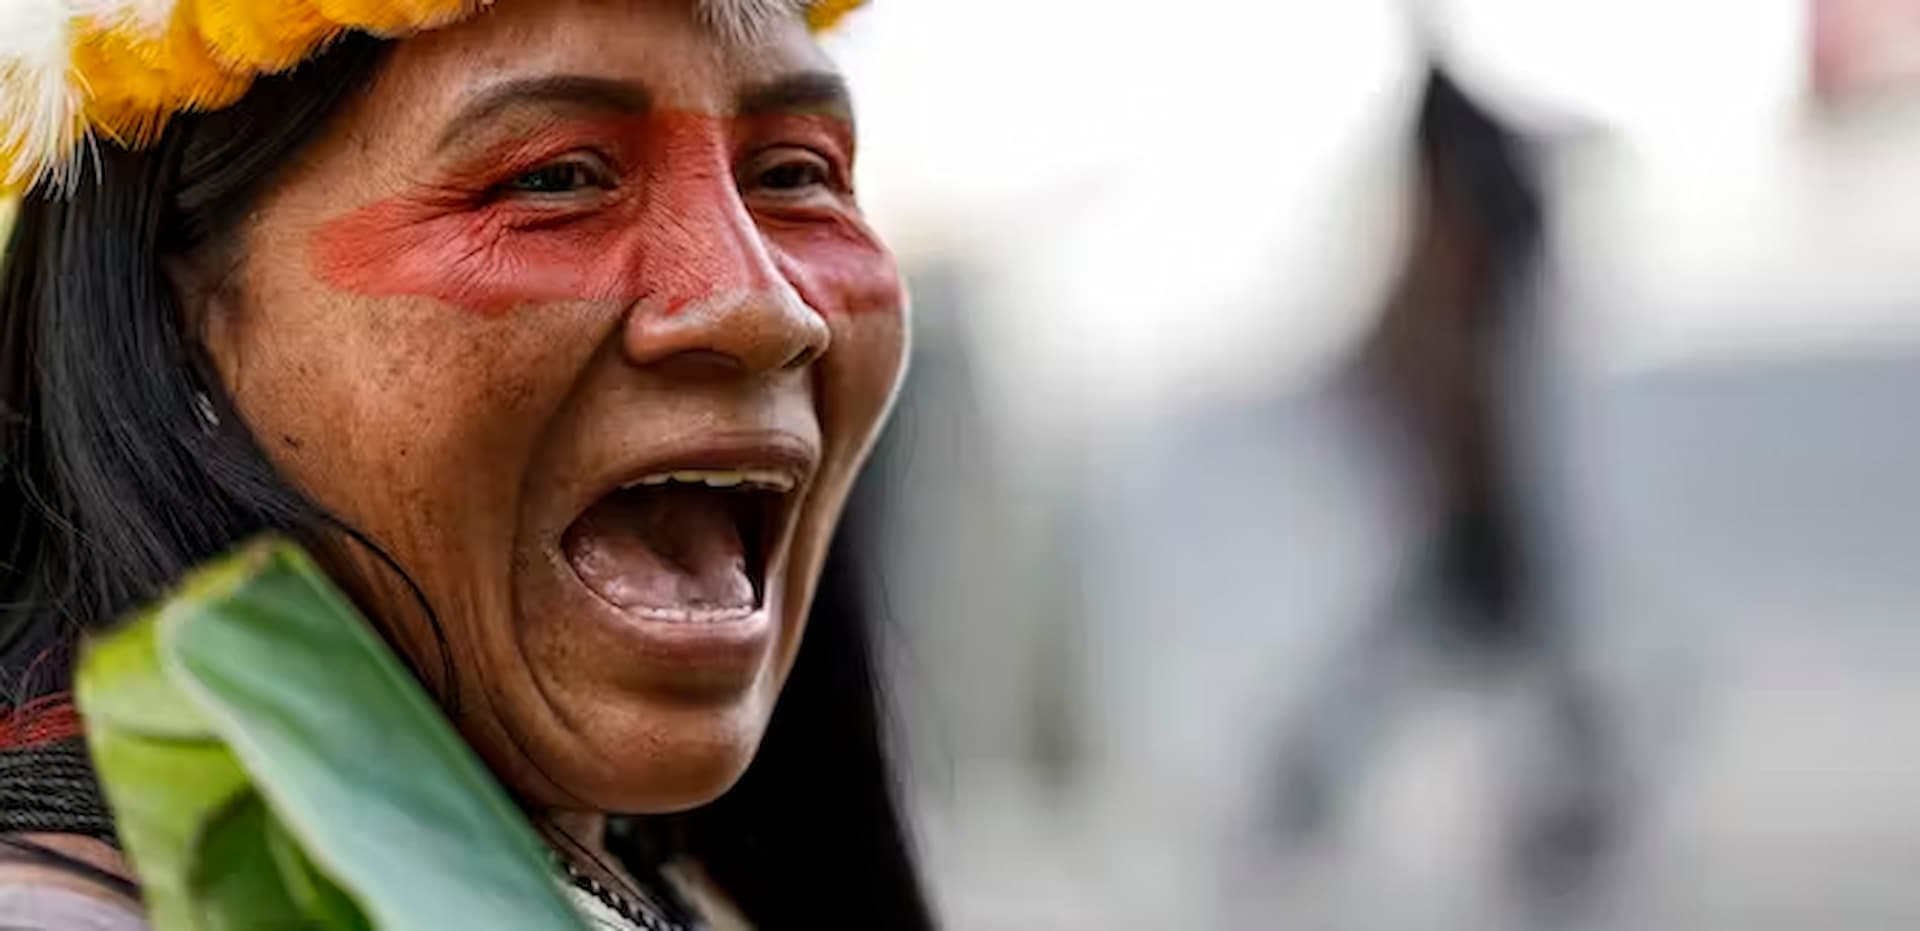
[673,548]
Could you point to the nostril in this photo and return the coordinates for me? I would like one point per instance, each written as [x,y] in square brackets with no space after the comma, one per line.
[701,363]
[805,357]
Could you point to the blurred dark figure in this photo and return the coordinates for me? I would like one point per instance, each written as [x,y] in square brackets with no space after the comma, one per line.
[1438,375]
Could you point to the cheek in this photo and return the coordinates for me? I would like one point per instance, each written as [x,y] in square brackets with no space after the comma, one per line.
[843,271]
[469,259]
[399,417]
[399,433]
[394,414]
[839,268]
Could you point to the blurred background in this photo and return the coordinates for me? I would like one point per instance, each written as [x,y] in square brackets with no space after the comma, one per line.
[1381,464]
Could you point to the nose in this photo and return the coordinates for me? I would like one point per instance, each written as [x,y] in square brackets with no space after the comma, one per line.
[759,331]
[718,303]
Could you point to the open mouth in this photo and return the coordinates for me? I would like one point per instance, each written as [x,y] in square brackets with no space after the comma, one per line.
[686,546]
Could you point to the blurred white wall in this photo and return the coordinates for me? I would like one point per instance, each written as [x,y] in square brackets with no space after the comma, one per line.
[1163,199]
[1137,182]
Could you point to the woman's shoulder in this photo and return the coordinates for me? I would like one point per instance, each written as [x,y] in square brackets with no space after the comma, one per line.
[64,883]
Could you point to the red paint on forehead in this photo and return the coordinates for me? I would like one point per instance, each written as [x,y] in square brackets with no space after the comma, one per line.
[676,232]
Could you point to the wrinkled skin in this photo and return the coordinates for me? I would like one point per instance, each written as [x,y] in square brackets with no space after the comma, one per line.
[457,330]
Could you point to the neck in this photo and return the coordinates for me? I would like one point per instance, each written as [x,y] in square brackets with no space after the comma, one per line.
[580,836]
[581,839]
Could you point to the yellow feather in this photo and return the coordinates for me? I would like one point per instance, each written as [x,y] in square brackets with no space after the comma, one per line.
[823,15]
[196,79]
[127,96]
[137,79]
[257,36]
[395,17]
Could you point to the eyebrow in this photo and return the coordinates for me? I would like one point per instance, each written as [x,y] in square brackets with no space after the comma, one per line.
[580,91]
[805,90]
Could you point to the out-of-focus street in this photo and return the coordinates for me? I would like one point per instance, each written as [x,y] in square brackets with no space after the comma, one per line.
[1134,517]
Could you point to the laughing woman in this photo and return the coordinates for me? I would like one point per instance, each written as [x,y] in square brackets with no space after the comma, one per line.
[553,329]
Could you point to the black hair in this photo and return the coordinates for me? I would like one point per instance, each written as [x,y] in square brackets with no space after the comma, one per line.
[123,464]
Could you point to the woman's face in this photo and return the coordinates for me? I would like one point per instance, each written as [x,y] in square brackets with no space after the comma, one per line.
[575,315]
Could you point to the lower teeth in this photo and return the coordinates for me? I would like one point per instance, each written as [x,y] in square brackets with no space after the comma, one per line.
[693,615]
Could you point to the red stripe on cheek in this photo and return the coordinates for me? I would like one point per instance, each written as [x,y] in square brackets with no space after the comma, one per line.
[402,247]
[676,232]
[839,267]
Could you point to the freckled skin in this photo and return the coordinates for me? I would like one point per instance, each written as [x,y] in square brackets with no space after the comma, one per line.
[452,369]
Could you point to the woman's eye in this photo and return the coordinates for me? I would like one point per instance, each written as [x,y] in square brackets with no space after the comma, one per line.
[560,178]
[792,175]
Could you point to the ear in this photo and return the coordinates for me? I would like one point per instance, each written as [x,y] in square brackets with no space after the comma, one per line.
[204,290]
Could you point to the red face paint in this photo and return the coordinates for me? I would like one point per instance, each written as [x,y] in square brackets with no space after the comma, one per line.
[673,227]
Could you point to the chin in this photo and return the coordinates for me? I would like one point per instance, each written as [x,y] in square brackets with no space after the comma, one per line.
[689,758]
[649,755]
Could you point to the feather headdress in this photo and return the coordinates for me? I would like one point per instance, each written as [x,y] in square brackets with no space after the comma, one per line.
[73,71]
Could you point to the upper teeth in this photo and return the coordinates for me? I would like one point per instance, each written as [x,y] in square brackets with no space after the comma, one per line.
[770,481]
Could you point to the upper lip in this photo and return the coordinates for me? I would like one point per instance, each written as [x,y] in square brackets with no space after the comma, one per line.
[767,451]
[780,452]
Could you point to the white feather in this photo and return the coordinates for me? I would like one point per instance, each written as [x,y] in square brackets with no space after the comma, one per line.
[39,104]
[147,17]
[29,26]
[745,21]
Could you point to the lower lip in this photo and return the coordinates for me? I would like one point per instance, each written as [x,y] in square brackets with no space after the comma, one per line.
[695,656]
